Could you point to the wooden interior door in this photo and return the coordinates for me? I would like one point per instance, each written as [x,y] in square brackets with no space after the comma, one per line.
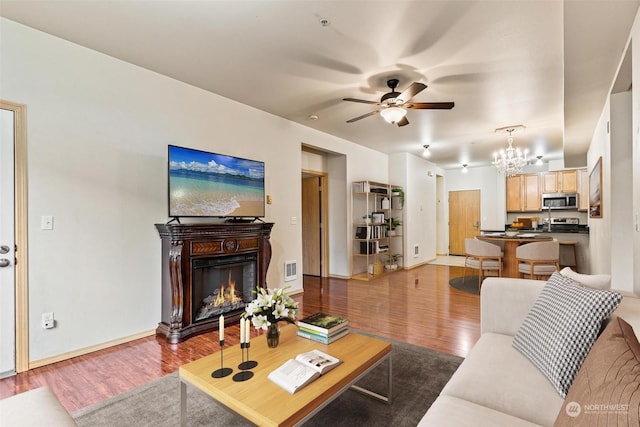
[464,218]
[311,223]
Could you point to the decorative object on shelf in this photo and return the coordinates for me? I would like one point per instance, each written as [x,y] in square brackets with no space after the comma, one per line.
[392,225]
[366,219]
[398,192]
[393,262]
[385,204]
[270,307]
[512,160]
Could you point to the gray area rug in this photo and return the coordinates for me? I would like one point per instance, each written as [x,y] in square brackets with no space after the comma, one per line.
[470,284]
[418,376]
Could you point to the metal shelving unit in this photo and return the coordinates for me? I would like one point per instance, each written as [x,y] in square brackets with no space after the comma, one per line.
[375,241]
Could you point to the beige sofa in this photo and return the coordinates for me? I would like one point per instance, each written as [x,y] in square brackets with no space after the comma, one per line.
[496,385]
[34,408]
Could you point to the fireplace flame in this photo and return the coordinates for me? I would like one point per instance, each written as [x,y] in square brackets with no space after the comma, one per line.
[230,295]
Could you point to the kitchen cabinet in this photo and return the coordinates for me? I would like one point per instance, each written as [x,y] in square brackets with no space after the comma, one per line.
[523,193]
[564,181]
[514,193]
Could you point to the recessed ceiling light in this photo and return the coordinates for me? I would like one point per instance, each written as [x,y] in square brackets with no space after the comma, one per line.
[313,117]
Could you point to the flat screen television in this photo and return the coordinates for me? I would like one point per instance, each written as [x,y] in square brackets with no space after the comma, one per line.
[203,184]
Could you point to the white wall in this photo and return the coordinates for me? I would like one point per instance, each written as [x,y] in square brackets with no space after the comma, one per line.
[418,177]
[622,267]
[635,182]
[98,130]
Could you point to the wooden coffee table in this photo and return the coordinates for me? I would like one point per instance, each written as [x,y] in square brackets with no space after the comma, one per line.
[264,403]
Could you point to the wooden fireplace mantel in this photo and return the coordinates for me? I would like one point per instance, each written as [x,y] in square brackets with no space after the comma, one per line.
[183,243]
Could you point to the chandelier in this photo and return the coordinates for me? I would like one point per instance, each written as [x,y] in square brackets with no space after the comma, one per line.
[510,161]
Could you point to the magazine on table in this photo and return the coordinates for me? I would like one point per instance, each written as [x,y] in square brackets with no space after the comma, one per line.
[306,367]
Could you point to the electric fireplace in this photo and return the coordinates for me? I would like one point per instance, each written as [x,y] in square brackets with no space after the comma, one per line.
[209,270]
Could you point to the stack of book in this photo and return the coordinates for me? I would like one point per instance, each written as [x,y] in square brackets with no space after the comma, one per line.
[323,328]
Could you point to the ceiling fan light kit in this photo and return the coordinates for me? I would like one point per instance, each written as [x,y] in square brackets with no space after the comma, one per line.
[393,114]
[510,161]
[393,105]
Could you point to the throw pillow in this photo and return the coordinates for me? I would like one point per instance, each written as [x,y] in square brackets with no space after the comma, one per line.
[561,327]
[597,281]
[606,391]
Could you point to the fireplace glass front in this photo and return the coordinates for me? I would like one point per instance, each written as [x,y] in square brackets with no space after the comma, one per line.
[222,285]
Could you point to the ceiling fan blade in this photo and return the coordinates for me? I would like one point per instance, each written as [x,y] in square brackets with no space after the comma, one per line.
[410,92]
[403,122]
[363,116]
[359,100]
[430,105]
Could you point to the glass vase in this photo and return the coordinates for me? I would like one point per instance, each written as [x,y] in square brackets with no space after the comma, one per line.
[273,335]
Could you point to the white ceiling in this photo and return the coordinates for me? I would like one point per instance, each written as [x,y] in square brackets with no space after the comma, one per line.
[547,65]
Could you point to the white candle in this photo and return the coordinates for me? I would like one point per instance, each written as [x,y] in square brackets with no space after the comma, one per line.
[221,328]
[242,327]
[248,331]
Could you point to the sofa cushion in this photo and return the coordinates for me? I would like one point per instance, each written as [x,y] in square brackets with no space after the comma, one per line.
[34,408]
[499,377]
[606,390]
[450,411]
[561,327]
[597,281]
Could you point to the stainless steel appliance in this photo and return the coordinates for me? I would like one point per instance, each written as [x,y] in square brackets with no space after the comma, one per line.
[556,201]
[561,224]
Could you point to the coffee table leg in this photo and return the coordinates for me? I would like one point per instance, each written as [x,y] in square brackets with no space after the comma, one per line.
[375,395]
[183,403]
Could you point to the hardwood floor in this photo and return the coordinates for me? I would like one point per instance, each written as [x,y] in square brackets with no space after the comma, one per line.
[415,306]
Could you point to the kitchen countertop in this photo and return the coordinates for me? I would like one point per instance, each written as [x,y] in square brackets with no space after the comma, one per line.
[582,229]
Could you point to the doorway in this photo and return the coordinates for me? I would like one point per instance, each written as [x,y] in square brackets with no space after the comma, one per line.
[14,352]
[464,219]
[314,230]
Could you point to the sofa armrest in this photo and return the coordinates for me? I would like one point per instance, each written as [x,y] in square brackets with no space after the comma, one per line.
[505,302]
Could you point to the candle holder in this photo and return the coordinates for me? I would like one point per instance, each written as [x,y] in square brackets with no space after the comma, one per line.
[222,372]
[246,364]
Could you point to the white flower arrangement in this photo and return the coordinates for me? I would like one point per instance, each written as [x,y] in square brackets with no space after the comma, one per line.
[271,306]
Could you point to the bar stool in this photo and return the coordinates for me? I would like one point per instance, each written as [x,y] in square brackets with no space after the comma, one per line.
[571,244]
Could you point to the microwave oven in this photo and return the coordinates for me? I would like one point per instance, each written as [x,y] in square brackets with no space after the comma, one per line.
[560,201]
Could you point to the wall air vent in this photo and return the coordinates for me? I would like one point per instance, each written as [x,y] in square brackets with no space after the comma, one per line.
[290,271]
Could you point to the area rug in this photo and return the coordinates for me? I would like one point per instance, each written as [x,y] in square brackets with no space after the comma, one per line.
[470,284]
[418,376]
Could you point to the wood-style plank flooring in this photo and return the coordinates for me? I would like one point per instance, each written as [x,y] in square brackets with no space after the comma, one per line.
[415,306]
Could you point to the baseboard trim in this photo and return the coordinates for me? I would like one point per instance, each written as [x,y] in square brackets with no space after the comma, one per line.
[80,352]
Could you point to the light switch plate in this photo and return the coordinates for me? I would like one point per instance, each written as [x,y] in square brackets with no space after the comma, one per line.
[46,222]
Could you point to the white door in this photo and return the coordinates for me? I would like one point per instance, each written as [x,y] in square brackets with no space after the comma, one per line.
[7,245]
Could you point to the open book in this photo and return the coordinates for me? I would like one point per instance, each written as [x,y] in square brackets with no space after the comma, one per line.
[306,367]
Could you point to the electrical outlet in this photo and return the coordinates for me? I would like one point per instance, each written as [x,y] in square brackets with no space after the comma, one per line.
[48,321]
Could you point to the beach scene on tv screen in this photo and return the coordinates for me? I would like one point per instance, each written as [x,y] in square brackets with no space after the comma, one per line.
[208,184]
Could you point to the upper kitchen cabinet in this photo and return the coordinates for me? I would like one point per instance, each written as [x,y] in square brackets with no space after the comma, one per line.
[564,181]
[523,193]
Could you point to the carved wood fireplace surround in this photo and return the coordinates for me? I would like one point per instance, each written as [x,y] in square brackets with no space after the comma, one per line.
[241,249]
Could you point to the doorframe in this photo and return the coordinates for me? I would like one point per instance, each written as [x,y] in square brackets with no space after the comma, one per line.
[324,220]
[20,205]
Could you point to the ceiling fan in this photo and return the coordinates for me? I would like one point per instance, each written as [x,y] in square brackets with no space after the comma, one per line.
[394,104]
